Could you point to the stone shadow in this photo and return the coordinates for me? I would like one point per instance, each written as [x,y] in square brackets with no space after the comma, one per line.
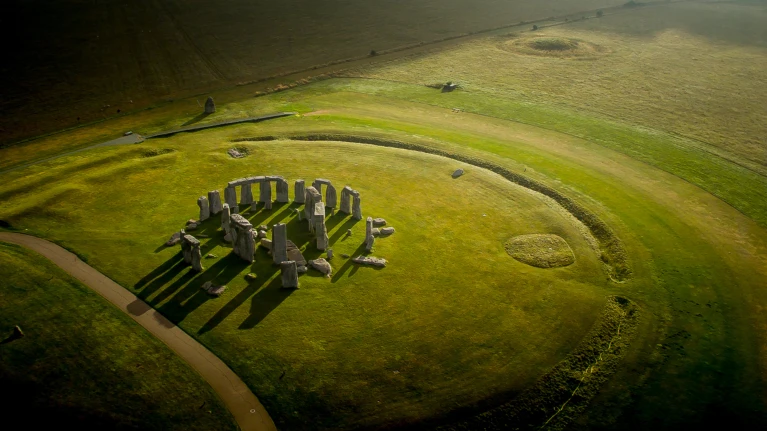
[349,264]
[201,116]
[266,301]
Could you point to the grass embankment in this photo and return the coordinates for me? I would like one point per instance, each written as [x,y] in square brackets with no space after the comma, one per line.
[366,347]
[86,365]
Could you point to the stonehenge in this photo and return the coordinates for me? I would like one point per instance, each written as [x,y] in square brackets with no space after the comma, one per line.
[299,191]
[202,202]
[369,238]
[243,243]
[190,248]
[230,197]
[214,200]
[289,272]
[279,243]
[210,106]
[318,218]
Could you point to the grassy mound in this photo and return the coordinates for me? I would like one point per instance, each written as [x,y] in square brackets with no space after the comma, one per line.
[86,365]
[550,46]
[540,250]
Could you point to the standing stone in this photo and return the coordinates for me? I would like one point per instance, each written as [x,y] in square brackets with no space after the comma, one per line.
[289,274]
[243,243]
[230,197]
[357,207]
[190,247]
[246,194]
[202,202]
[279,243]
[265,194]
[282,191]
[319,226]
[330,254]
[226,215]
[331,198]
[369,237]
[214,200]
[312,196]
[346,200]
[210,106]
[299,190]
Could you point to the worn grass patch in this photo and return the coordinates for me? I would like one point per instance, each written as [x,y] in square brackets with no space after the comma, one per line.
[549,46]
[540,250]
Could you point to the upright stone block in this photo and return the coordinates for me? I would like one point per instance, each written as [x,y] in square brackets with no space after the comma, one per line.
[299,190]
[331,198]
[312,196]
[346,200]
[202,202]
[214,200]
[190,247]
[319,226]
[243,242]
[369,238]
[357,206]
[210,106]
[230,197]
[289,272]
[282,191]
[279,243]
[265,194]
[226,215]
[246,194]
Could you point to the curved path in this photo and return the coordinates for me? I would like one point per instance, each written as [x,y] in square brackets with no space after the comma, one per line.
[244,406]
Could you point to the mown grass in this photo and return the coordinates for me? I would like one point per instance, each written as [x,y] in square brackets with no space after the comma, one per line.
[84,364]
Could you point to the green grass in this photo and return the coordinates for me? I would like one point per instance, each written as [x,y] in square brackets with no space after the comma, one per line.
[83,363]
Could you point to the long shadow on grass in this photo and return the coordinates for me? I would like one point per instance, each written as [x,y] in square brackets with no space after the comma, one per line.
[167,265]
[196,119]
[349,264]
[265,301]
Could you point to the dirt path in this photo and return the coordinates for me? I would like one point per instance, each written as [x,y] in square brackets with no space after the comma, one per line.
[244,406]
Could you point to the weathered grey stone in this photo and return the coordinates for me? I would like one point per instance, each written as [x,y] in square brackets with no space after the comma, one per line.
[300,191]
[263,227]
[457,173]
[279,243]
[376,231]
[322,266]
[226,215]
[246,194]
[295,255]
[331,198]
[191,227]
[301,269]
[319,225]
[311,197]
[378,222]
[322,181]
[174,239]
[357,207]
[265,194]
[261,234]
[191,221]
[210,106]
[330,253]
[266,243]
[238,182]
[243,243]
[289,272]
[190,247]
[230,197]
[214,200]
[211,289]
[234,153]
[387,231]
[369,238]
[282,191]
[370,260]
[346,200]
[202,202]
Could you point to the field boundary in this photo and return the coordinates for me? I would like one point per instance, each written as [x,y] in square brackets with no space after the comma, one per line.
[613,254]
[239,400]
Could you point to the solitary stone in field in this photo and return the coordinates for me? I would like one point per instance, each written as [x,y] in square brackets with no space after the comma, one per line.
[369,238]
[370,260]
[299,190]
[230,197]
[457,173]
[540,250]
[279,243]
[289,272]
[202,202]
[378,222]
[214,200]
[210,106]
[322,266]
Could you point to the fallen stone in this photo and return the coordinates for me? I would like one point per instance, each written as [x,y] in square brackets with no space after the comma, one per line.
[301,269]
[457,173]
[266,243]
[234,153]
[387,231]
[376,231]
[263,227]
[295,254]
[174,239]
[322,266]
[192,226]
[378,222]
[210,256]
[369,260]
[261,234]
[191,221]
[250,276]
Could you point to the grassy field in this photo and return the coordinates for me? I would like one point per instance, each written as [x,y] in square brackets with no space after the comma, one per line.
[84,364]
[77,62]
[454,326]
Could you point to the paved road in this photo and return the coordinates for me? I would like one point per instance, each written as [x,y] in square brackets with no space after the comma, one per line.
[244,406]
